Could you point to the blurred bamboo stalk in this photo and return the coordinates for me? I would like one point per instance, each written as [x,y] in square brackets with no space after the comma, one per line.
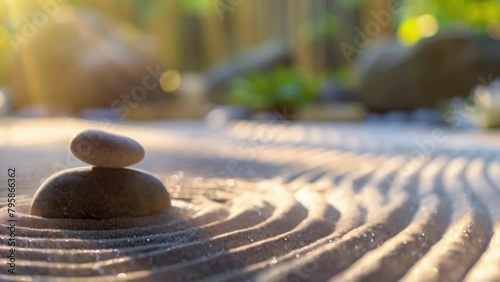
[376,7]
[195,42]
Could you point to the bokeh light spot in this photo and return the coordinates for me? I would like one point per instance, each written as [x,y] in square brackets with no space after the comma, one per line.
[413,29]
[427,25]
[170,80]
[408,32]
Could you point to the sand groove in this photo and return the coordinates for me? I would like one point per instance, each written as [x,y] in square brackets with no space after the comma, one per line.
[301,204]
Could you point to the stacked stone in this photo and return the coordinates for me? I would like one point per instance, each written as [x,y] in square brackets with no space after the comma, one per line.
[104,190]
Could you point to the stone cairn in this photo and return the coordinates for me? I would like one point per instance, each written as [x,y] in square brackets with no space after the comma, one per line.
[104,190]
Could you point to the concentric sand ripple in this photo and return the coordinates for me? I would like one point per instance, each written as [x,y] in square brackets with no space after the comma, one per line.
[275,203]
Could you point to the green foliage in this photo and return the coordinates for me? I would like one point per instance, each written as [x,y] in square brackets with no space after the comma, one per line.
[352,3]
[197,7]
[152,8]
[423,18]
[477,14]
[324,25]
[277,88]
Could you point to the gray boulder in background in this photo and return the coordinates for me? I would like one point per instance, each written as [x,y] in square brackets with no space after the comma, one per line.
[85,60]
[397,77]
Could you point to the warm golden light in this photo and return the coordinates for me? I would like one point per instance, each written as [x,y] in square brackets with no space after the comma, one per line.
[15,11]
[414,29]
[170,80]
[4,36]
[427,25]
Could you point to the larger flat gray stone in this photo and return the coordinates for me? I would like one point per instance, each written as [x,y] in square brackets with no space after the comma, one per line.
[99,193]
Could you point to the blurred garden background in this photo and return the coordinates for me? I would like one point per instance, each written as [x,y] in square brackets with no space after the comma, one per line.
[391,60]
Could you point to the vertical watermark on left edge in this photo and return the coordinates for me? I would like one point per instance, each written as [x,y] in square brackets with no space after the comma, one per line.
[11,220]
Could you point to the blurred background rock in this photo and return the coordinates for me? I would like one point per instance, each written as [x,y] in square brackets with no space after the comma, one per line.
[381,60]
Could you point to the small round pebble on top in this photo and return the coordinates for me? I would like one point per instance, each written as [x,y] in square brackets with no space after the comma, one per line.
[107,189]
[104,149]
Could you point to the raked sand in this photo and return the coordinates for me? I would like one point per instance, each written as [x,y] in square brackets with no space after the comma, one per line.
[270,202]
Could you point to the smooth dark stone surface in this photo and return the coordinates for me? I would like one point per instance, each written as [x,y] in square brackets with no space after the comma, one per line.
[99,193]
[331,91]
[396,77]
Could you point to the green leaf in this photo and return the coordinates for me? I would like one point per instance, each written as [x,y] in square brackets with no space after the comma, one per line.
[279,87]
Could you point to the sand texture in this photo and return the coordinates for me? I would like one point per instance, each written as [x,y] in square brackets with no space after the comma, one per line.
[270,202]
